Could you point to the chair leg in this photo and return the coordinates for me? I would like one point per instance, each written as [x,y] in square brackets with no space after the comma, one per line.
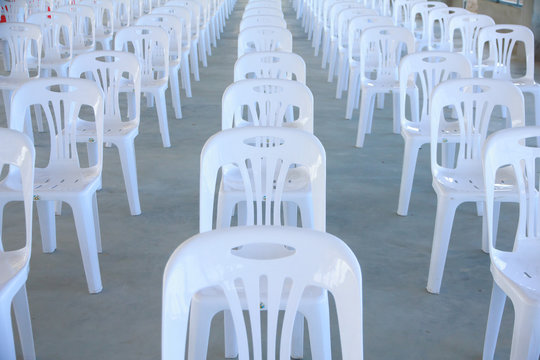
[231,346]
[175,93]
[332,65]
[353,84]
[366,103]
[126,151]
[199,331]
[290,213]
[97,226]
[318,321]
[446,210]
[194,60]
[395,107]
[24,323]
[410,156]
[525,342]
[86,233]
[7,342]
[297,344]
[485,238]
[161,108]
[496,308]
[340,76]
[47,225]
[184,70]
[380,101]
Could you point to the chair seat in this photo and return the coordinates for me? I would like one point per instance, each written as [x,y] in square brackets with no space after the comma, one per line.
[65,181]
[472,181]
[520,269]
[86,129]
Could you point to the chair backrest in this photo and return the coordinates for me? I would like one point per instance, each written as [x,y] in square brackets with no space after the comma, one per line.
[386,45]
[104,15]
[508,147]
[270,65]
[325,11]
[18,152]
[439,26]
[262,20]
[262,11]
[344,19]
[473,101]
[184,15]
[84,27]
[23,42]
[428,69]
[291,263]
[61,101]
[122,14]
[172,25]
[267,102]
[151,45]
[420,17]
[136,9]
[262,157]
[262,4]
[468,26]
[401,12]
[335,10]
[57,32]
[501,41]
[264,38]
[37,6]
[356,26]
[14,11]
[195,8]
[112,71]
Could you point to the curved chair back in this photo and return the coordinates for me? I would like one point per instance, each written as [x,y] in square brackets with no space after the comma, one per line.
[264,38]
[270,65]
[262,20]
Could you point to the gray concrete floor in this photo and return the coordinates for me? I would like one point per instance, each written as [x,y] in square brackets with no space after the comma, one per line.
[402,321]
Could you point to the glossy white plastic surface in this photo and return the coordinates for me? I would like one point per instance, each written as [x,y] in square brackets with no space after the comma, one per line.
[122,14]
[104,15]
[356,26]
[14,10]
[272,11]
[18,152]
[63,178]
[270,65]
[473,102]
[428,68]
[173,26]
[439,26]
[264,38]
[468,26]
[401,12]
[151,46]
[262,20]
[389,43]
[112,70]
[267,102]
[420,19]
[222,259]
[83,19]
[515,272]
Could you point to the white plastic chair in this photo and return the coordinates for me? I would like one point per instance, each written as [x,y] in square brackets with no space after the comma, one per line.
[184,15]
[18,152]
[401,12]
[501,41]
[14,10]
[262,20]
[439,27]
[173,26]
[267,102]
[111,70]
[136,9]
[263,4]
[247,158]
[264,38]
[151,46]
[22,40]
[105,26]
[515,272]
[468,26]
[420,21]
[84,27]
[195,10]
[205,261]
[426,70]
[63,178]
[473,102]
[263,11]
[271,65]
[388,42]
[356,26]
[122,14]
[57,33]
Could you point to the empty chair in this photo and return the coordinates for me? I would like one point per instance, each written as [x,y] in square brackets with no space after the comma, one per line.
[17,152]
[514,269]
[14,10]
[247,158]
[439,26]
[420,21]
[104,15]
[211,260]
[262,20]
[19,40]
[388,42]
[501,42]
[184,15]
[173,26]
[151,46]
[112,70]
[462,180]
[84,27]
[468,26]
[270,64]
[267,102]
[401,12]
[57,33]
[356,26]
[122,14]
[426,70]
[264,38]
[64,178]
